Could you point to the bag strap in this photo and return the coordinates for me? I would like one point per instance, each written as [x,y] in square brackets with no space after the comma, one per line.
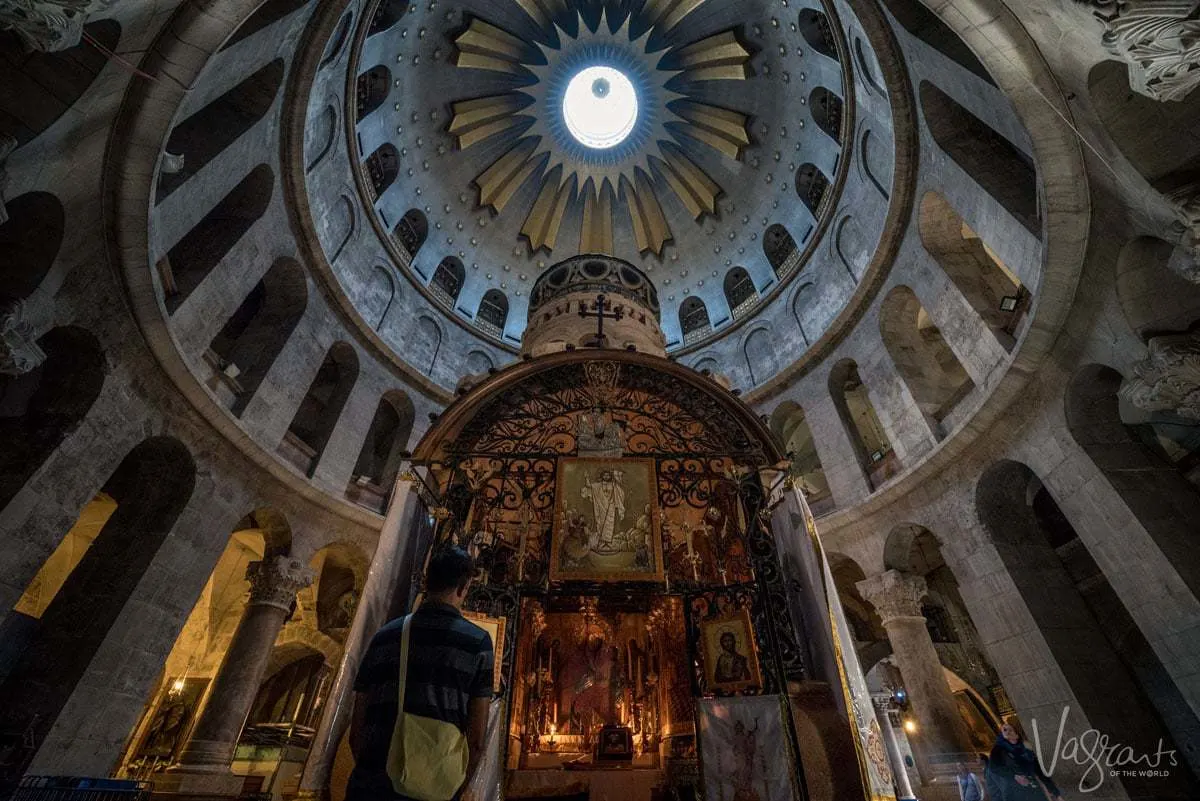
[405,631]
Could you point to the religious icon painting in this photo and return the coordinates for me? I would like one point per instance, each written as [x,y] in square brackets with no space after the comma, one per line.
[606,521]
[730,657]
[494,626]
[743,750]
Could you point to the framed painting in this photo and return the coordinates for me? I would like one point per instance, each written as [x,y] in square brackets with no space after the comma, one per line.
[494,626]
[606,522]
[730,657]
[745,749]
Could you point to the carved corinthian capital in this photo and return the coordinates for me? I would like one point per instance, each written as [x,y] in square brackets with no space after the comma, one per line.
[8,144]
[21,326]
[49,25]
[276,580]
[1158,39]
[1168,379]
[1185,260]
[894,595]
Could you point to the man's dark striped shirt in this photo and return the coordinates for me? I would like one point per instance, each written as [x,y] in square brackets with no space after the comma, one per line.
[449,663]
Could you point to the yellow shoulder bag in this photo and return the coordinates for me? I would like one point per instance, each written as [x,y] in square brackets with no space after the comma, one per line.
[427,758]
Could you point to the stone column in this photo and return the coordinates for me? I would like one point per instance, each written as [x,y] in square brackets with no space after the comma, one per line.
[904,791]
[897,598]
[204,763]
[373,604]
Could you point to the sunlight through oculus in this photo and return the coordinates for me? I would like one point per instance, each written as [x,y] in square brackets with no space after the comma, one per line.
[600,107]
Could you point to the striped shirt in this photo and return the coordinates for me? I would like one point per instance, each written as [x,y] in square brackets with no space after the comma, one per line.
[449,663]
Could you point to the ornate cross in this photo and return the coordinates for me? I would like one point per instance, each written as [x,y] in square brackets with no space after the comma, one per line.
[601,315]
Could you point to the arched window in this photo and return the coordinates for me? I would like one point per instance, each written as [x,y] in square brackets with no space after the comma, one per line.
[140,505]
[986,283]
[493,312]
[387,14]
[826,110]
[207,133]
[923,24]
[869,440]
[202,248]
[780,250]
[382,167]
[993,162]
[924,361]
[247,346]
[37,88]
[694,323]
[264,16]
[289,696]
[321,408]
[740,292]
[811,186]
[448,280]
[815,28]
[412,230]
[382,450]
[790,427]
[373,88]
[29,244]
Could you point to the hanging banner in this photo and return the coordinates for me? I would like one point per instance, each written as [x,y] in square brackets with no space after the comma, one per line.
[740,753]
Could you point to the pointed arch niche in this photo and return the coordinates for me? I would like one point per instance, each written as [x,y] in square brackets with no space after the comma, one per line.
[870,442]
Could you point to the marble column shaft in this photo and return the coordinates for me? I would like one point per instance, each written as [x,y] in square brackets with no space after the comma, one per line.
[895,758]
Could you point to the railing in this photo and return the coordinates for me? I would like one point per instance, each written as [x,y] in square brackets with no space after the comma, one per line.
[80,788]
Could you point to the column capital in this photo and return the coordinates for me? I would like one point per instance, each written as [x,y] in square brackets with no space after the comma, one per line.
[276,580]
[1162,65]
[1168,379]
[894,595]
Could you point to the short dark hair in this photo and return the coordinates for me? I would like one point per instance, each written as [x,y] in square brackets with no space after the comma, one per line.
[450,568]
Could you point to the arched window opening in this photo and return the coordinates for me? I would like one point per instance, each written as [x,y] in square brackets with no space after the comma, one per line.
[1121,682]
[29,244]
[694,323]
[993,162]
[924,361]
[382,167]
[341,572]
[740,292]
[826,110]
[382,451]
[448,280]
[372,90]
[790,427]
[986,282]
[867,436]
[927,27]
[264,16]
[1154,298]
[387,14]
[37,88]
[493,313]
[762,356]
[780,250]
[811,186]
[412,231]
[320,409]
[816,30]
[201,249]
[206,134]
[244,350]
[70,606]
[40,408]
[289,697]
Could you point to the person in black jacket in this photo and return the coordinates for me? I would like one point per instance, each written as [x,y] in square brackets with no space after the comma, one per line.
[1014,773]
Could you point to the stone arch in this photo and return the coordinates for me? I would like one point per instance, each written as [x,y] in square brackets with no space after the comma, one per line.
[867,69]
[762,359]
[429,340]
[383,167]
[926,26]
[864,621]
[387,14]
[380,295]
[412,231]
[694,322]
[37,88]
[321,407]
[384,447]
[290,691]
[791,428]
[342,224]
[263,17]
[319,141]
[707,363]
[922,358]
[778,247]
[1067,596]
[372,90]
[448,280]
[811,186]
[1154,298]
[146,495]
[39,409]
[999,167]
[851,246]
[874,163]
[492,314]
[29,243]
[210,131]
[986,283]
[740,292]
[870,443]
[826,109]
[816,30]
[804,295]
[256,333]
[201,249]
[337,40]
[341,568]
[479,362]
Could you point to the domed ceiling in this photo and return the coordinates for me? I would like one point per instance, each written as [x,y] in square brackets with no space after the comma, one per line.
[494,138]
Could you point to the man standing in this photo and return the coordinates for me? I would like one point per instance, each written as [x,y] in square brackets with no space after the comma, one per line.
[449,678]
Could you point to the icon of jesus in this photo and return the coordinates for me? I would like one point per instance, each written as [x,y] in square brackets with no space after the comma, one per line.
[608,507]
